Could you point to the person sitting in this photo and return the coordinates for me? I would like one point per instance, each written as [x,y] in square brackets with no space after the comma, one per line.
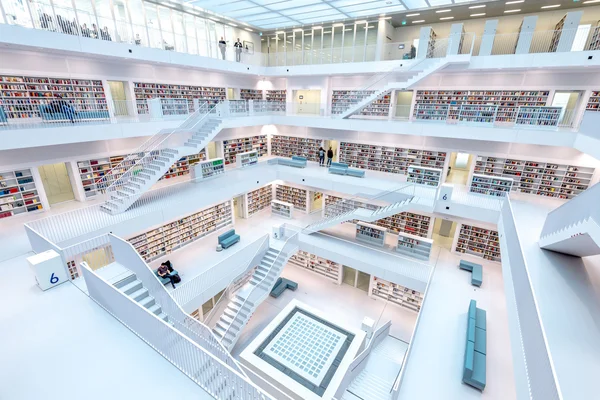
[62,106]
[163,272]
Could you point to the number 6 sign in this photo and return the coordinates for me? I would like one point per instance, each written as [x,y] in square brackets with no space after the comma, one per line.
[48,268]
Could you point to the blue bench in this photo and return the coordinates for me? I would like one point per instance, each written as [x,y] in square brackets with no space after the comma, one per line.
[476,271]
[295,161]
[228,238]
[3,115]
[281,285]
[343,169]
[474,367]
[164,281]
[48,114]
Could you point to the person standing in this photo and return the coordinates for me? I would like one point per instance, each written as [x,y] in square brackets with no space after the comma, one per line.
[321,157]
[329,156]
[238,50]
[222,46]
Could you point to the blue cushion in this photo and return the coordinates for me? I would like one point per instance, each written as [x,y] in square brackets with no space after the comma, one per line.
[469,360]
[290,284]
[230,241]
[479,370]
[477,275]
[2,115]
[164,281]
[298,158]
[355,172]
[339,165]
[473,309]
[480,340]
[468,265]
[481,320]
[471,329]
[226,235]
[335,170]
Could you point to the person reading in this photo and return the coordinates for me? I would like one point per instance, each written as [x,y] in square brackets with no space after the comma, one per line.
[163,272]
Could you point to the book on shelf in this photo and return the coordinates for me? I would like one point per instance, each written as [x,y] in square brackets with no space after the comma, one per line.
[259,199]
[369,233]
[480,242]
[247,159]
[288,146]
[208,169]
[396,294]
[491,185]
[424,175]
[342,100]
[232,147]
[318,265]
[144,91]
[292,195]
[282,208]
[18,193]
[251,94]
[414,246]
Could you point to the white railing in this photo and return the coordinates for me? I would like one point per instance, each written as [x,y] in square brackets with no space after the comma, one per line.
[217,277]
[358,364]
[477,200]
[209,372]
[127,256]
[540,42]
[539,371]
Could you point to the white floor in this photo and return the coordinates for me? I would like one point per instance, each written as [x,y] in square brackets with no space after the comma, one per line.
[59,344]
[343,301]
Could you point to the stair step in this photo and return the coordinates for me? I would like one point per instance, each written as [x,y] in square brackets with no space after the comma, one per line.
[155,309]
[148,301]
[164,317]
[131,287]
[139,294]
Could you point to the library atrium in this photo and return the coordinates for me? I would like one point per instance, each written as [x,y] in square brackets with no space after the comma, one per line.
[300,199]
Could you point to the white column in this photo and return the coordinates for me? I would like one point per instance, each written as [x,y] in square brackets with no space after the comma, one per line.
[423,41]
[455,39]
[381,40]
[569,30]
[526,34]
[487,39]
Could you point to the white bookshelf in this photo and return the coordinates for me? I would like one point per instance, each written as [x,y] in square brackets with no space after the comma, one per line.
[282,208]
[593,103]
[251,94]
[557,33]
[318,265]
[430,104]
[259,199]
[341,100]
[288,146]
[277,98]
[595,40]
[91,171]
[18,193]
[208,169]
[232,147]
[396,294]
[247,159]
[370,233]
[169,237]
[480,242]
[539,116]
[414,246]
[424,175]
[539,178]
[431,44]
[295,196]
[491,185]
[144,91]
[388,158]
[21,96]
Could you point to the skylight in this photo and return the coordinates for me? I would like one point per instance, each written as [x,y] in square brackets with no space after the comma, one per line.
[276,14]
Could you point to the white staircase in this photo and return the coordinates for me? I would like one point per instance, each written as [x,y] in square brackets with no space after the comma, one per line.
[435,65]
[142,172]
[376,380]
[251,295]
[129,284]
[574,227]
[362,214]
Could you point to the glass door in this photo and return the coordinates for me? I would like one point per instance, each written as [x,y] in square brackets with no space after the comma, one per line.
[362,281]
[349,277]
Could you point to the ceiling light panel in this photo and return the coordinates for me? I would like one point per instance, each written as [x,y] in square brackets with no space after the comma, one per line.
[414,4]
[367,13]
[435,3]
[307,9]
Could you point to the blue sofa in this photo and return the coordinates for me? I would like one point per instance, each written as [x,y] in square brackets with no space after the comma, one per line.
[2,115]
[48,114]
[476,271]
[343,169]
[165,280]
[295,161]
[228,238]
[474,367]
[281,285]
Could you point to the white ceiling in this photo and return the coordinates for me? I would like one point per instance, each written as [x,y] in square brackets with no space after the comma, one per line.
[275,14]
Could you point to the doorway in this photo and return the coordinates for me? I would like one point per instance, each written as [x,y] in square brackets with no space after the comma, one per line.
[443,232]
[307,101]
[119,97]
[316,201]
[403,103]
[569,101]
[211,149]
[334,144]
[57,183]
[356,278]
[459,167]
[230,94]
[238,206]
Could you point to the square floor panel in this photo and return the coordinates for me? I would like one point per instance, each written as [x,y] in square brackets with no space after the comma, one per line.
[307,347]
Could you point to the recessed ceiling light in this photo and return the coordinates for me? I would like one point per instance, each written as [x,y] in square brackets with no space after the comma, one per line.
[515,2]
[336,25]
[279,32]
[361,22]
[349,29]
[477,15]
[214,19]
[481,6]
[591,1]
[413,15]
[512,11]
[317,27]
[552,6]
[445,18]
[249,30]
[386,18]
[419,21]
[443,11]
[326,31]
[298,30]
[232,24]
